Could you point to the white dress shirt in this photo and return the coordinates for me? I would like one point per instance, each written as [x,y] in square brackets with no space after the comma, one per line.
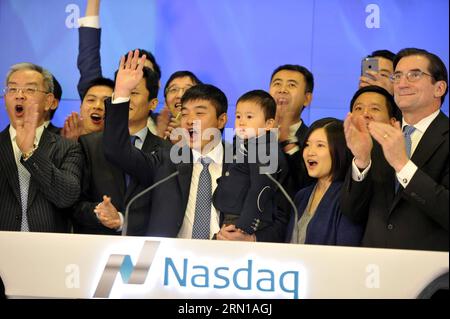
[407,172]
[215,169]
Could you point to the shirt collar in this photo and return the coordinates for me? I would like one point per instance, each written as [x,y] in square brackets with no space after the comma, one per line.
[423,124]
[216,154]
[142,134]
[39,132]
[294,128]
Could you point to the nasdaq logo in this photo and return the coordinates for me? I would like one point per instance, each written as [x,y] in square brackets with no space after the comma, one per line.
[131,274]
[236,277]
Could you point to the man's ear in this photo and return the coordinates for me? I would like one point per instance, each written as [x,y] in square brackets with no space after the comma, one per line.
[222,120]
[392,121]
[49,98]
[439,88]
[308,99]
[152,104]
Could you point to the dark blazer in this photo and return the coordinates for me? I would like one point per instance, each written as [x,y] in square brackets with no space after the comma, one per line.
[88,60]
[100,177]
[54,129]
[301,133]
[168,200]
[328,226]
[298,175]
[55,169]
[415,217]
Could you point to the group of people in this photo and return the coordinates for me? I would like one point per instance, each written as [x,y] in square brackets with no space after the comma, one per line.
[377,179]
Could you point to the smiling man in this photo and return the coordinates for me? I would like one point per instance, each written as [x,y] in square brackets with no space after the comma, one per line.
[106,189]
[399,182]
[39,171]
[182,206]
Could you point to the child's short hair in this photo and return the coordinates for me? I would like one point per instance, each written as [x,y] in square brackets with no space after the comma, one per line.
[263,99]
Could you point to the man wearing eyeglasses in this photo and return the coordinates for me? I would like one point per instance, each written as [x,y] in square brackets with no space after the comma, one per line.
[398,184]
[39,171]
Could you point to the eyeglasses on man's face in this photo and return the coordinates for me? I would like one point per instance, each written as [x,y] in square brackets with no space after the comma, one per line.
[411,76]
[175,90]
[28,91]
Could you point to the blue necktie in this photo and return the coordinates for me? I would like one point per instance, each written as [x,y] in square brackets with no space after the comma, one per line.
[24,183]
[133,139]
[202,218]
[407,132]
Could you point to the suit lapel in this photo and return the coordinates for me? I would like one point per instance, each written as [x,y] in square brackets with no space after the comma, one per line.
[429,143]
[47,146]
[8,163]
[148,146]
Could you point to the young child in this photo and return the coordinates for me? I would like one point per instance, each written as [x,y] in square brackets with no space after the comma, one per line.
[245,195]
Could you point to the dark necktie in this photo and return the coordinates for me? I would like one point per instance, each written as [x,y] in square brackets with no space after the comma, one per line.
[133,139]
[202,218]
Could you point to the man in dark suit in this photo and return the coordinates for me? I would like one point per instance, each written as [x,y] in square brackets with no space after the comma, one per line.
[292,87]
[39,171]
[88,61]
[177,203]
[104,184]
[398,184]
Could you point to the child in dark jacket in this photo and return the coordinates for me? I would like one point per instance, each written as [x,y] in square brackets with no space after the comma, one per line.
[246,195]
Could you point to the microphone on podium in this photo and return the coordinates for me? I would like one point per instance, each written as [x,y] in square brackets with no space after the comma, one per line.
[145,191]
[289,199]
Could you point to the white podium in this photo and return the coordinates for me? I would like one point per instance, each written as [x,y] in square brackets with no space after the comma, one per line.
[44,265]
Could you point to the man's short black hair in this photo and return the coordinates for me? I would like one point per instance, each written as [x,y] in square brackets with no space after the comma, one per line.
[151,58]
[307,75]
[392,107]
[100,81]
[389,55]
[181,74]
[208,93]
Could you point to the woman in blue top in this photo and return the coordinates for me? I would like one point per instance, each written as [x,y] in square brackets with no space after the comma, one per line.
[319,219]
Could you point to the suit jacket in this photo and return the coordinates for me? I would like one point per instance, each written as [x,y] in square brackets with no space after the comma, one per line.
[328,226]
[168,200]
[55,169]
[415,217]
[54,129]
[100,177]
[298,175]
[301,133]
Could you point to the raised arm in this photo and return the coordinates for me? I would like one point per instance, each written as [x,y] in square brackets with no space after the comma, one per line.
[116,137]
[89,62]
